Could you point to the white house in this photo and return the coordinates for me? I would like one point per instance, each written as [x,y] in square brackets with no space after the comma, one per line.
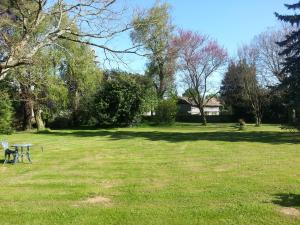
[188,107]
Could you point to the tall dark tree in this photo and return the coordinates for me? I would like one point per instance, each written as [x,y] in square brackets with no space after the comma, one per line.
[119,101]
[232,91]
[291,46]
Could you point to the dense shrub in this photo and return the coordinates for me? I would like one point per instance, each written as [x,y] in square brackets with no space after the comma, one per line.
[6,113]
[166,111]
[118,102]
[60,123]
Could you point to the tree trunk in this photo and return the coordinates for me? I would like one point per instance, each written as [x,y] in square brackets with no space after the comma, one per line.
[203,116]
[257,120]
[160,93]
[75,113]
[294,116]
[161,88]
[39,121]
[27,118]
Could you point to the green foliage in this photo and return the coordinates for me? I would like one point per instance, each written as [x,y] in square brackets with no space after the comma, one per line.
[150,100]
[83,78]
[153,30]
[39,85]
[6,113]
[190,93]
[232,90]
[118,102]
[232,85]
[56,98]
[166,111]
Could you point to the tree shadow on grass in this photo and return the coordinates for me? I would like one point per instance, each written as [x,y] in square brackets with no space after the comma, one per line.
[174,137]
[10,162]
[287,200]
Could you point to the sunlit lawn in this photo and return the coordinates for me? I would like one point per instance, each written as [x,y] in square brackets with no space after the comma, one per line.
[185,174]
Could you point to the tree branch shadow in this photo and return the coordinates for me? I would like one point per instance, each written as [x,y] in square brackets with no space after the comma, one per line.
[287,200]
[269,137]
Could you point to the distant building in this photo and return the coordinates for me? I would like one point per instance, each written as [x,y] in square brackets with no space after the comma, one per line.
[188,107]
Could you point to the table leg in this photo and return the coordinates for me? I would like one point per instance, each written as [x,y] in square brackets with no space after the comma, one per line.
[28,154]
[22,153]
[16,158]
[6,157]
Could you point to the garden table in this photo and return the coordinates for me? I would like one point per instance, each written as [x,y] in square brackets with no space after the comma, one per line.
[21,152]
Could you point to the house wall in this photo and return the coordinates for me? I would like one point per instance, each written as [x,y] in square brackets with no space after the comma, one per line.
[211,111]
[194,111]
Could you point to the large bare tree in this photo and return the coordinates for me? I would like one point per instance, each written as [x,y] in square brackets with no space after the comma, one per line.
[263,69]
[255,87]
[270,62]
[199,58]
[264,53]
[27,26]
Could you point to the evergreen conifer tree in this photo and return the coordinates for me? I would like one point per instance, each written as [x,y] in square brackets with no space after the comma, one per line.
[291,51]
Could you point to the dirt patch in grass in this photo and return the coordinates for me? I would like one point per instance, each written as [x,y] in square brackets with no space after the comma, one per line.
[290,211]
[3,169]
[96,200]
[159,183]
[109,183]
[225,167]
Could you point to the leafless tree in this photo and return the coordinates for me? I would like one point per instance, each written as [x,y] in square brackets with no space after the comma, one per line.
[265,68]
[264,53]
[253,92]
[269,61]
[28,26]
[199,58]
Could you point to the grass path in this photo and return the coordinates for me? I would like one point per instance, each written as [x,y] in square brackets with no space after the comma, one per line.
[186,174]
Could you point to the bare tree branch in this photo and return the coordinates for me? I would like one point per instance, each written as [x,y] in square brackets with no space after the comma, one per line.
[199,59]
[43,23]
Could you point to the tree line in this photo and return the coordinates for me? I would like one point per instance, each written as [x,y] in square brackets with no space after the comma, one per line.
[264,81]
[50,75]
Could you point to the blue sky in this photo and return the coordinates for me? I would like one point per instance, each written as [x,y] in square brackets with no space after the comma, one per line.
[231,22]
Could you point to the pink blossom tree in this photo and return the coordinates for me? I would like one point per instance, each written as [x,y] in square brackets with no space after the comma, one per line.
[199,57]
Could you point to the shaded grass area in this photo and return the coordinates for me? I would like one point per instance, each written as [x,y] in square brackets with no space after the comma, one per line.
[261,136]
[287,199]
[185,174]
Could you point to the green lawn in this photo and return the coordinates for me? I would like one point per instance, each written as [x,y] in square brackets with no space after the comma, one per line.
[185,174]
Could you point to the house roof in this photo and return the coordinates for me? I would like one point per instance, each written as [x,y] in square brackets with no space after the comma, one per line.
[213,102]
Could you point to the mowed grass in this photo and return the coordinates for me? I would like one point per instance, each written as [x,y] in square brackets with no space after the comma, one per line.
[185,174]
